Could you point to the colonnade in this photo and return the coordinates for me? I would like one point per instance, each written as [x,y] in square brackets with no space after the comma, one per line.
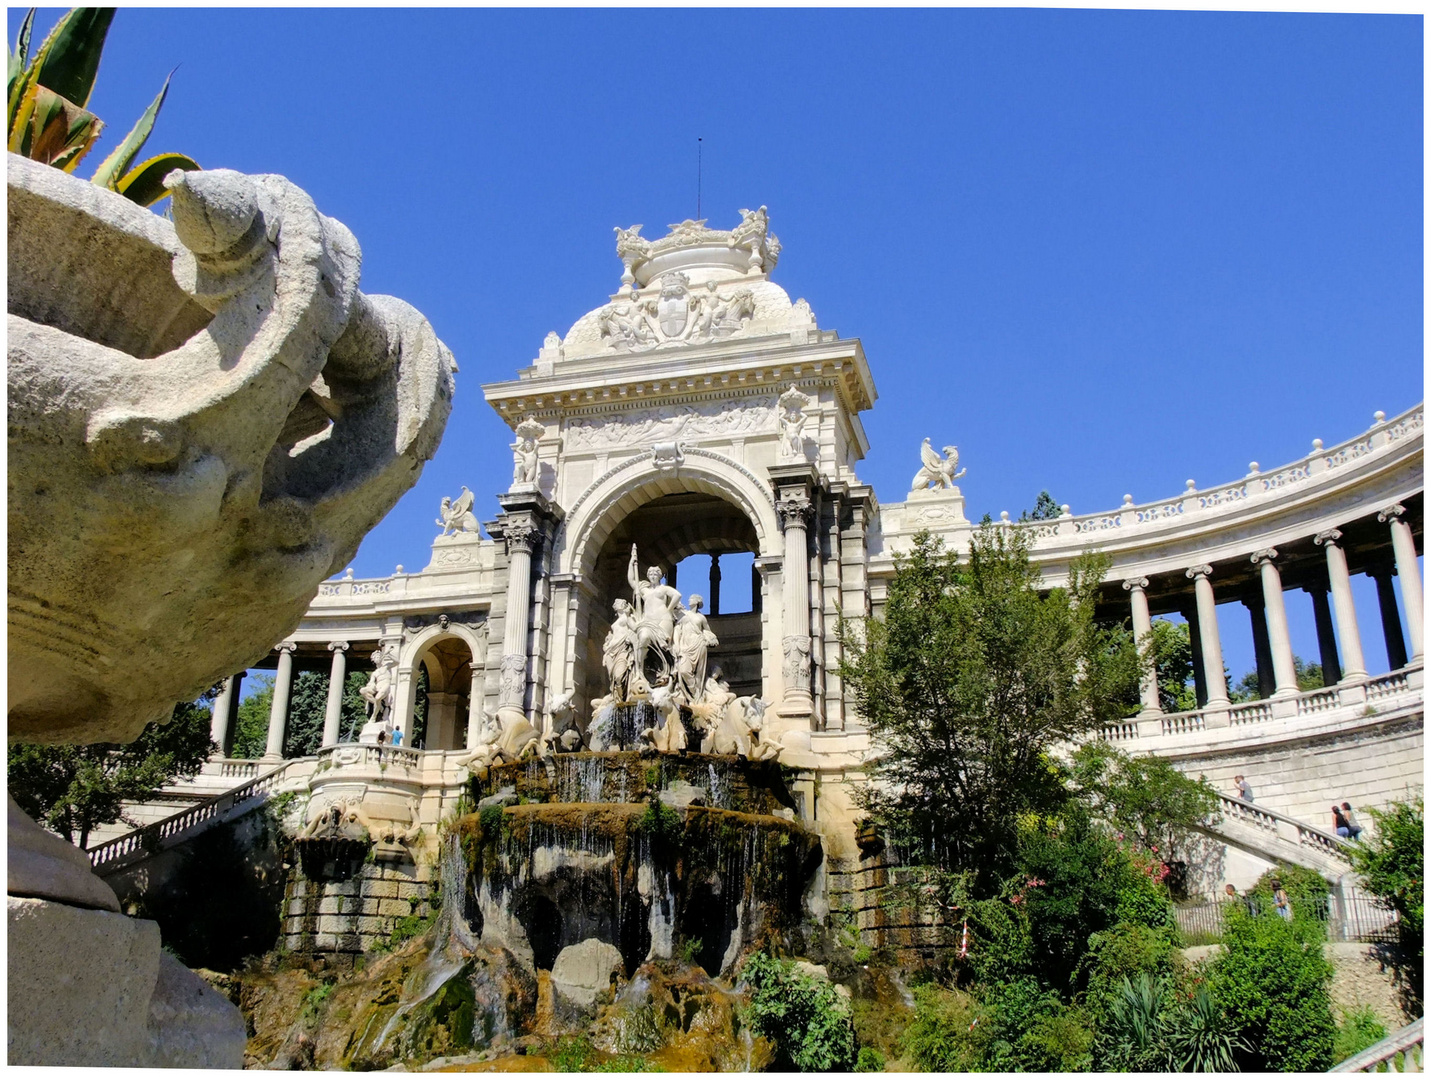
[1271,640]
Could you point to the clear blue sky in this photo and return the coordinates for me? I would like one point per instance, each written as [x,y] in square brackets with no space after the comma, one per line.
[1101,251]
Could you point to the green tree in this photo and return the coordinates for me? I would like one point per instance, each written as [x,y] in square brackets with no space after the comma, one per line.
[972,676]
[1273,983]
[1248,688]
[1144,797]
[810,1024]
[251,727]
[1045,509]
[73,789]
[1173,659]
[1392,866]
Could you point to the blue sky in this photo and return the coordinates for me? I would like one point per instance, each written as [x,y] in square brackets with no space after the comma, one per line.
[1101,251]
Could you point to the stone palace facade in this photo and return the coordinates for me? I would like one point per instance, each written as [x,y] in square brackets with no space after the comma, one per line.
[700,411]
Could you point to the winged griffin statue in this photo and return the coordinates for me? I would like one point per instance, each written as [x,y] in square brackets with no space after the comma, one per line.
[936,472]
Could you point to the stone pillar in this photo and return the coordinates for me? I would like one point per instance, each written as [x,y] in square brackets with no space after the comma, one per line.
[1211,642]
[521,535]
[441,733]
[796,510]
[1195,644]
[474,703]
[1142,631]
[715,585]
[333,716]
[278,714]
[1343,607]
[1283,665]
[1390,617]
[221,726]
[757,593]
[1403,544]
[1326,635]
[1261,646]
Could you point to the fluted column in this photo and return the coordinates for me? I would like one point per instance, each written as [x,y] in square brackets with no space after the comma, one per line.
[1142,631]
[1283,666]
[278,712]
[1343,607]
[221,722]
[521,534]
[1403,545]
[337,676]
[795,512]
[1213,676]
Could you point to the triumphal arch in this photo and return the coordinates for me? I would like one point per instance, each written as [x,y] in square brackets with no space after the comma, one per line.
[699,411]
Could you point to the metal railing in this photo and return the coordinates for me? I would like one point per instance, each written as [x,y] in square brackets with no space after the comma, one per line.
[1346,915]
[157,836]
[1407,1045]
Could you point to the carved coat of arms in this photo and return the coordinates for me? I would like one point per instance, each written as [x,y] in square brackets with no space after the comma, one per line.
[674,306]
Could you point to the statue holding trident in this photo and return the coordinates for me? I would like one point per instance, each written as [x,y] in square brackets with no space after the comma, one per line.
[656,622]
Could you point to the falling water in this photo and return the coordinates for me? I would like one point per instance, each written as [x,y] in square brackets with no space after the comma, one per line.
[453,940]
[718,786]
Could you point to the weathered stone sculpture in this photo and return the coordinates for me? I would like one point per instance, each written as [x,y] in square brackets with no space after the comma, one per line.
[379,692]
[205,418]
[936,473]
[792,423]
[455,515]
[656,607]
[525,468]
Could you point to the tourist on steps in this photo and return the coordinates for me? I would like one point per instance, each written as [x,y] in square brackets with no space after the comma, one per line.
[1279,897]
[1244,789]
[1353,825]
[1339,823]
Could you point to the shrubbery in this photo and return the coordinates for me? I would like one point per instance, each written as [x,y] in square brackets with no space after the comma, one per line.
[806,1018]
[1272,981]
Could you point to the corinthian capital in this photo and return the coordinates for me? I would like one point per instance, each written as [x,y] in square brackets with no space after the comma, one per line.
[795,510]
[521,535]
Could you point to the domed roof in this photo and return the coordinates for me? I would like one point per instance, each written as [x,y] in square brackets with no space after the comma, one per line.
[694,286]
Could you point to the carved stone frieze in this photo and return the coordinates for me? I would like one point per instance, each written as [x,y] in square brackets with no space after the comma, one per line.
[462,618]
[796,668]
[671,423]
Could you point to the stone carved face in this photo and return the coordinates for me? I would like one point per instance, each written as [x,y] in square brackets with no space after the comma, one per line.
[653,575]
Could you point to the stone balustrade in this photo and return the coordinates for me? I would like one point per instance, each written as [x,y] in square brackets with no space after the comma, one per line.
[1391,691]
[1401,1051]
[1287,828]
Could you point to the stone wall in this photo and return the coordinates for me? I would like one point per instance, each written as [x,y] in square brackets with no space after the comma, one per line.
[342,919]
[1368,765]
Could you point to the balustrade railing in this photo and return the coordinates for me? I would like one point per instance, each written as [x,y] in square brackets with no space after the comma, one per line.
[352,755]
[1317,702]
[1402,1051]
[1254,486]
[237,767]
[154,837]
[1281,825]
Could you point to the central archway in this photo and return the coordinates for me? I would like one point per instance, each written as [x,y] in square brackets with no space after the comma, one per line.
[708,505]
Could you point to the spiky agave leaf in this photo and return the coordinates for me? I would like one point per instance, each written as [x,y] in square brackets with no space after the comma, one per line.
[144,184]
[68,61]
[21,52]
[118,162]
[50,129]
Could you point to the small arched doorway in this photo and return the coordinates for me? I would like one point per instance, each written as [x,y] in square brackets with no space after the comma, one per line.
[447,662]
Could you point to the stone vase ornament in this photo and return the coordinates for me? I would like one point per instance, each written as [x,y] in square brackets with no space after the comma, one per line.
[205,419]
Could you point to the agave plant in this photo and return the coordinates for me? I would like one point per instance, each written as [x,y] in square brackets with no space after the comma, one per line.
[1200,1039]
[48,117]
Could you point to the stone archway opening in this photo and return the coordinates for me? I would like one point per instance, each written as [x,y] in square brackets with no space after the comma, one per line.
[666,531]
[448,663]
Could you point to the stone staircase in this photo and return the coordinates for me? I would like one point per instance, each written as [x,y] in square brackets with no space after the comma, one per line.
[1280,838]
[256,782]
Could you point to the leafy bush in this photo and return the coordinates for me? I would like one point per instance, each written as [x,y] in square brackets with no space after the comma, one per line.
[869,1060]
[1144,797]
[1122,954]
[945,1034]
[1200,1037]
[1299,883]
[1030,1029]
[807,1020]
[1392,864]
[1272,981]
[1358,1030]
